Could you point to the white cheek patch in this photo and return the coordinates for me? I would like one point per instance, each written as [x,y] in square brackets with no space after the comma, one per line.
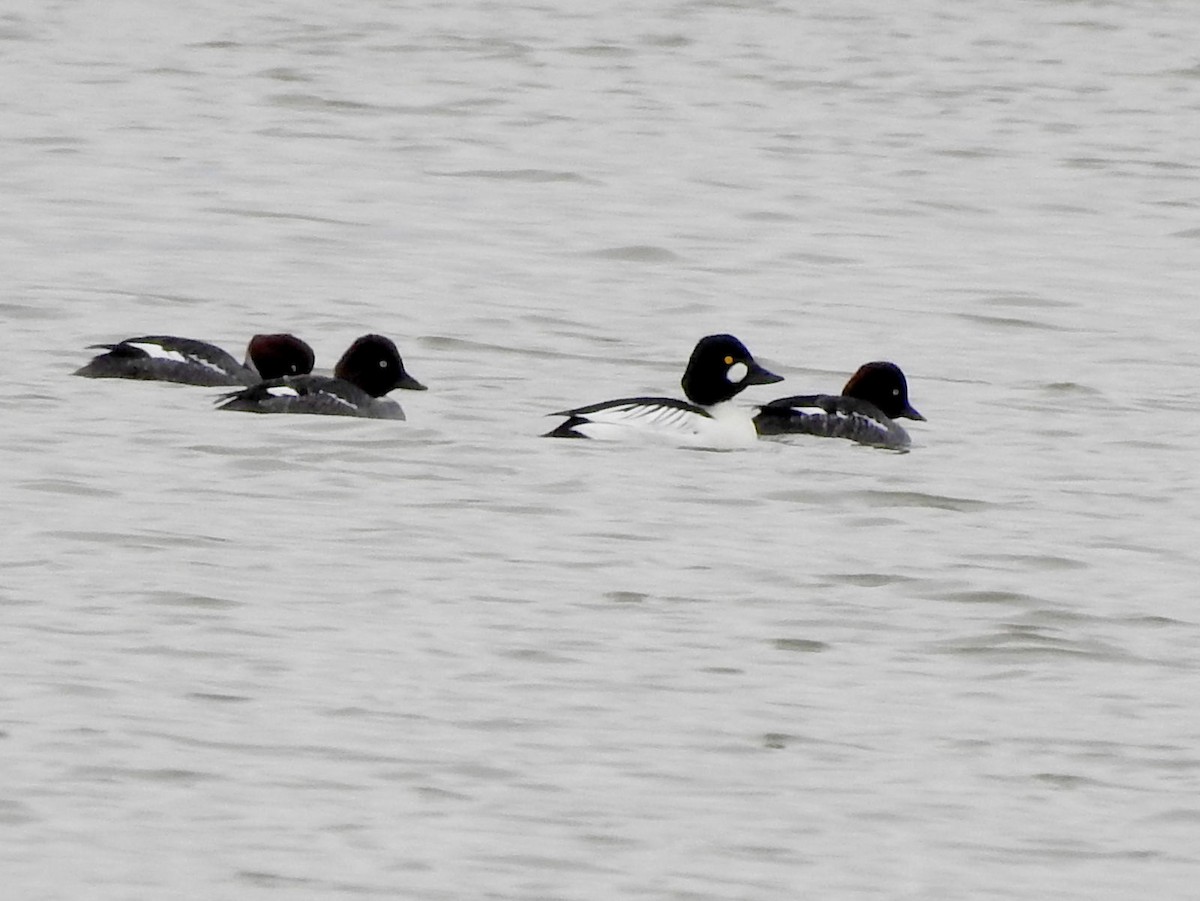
[737,372]
[282,391]
[158,352]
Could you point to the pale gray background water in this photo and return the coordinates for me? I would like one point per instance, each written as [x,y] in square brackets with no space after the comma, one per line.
[252,657]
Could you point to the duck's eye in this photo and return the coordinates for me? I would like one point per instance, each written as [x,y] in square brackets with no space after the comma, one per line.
[729,361]
[895,392]
[383,364]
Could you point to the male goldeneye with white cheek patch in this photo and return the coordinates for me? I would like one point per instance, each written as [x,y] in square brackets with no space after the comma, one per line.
[720,368]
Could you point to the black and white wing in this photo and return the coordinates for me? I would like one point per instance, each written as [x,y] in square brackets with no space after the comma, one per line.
[166,358]
[630,416]
[830,416]
[310,394]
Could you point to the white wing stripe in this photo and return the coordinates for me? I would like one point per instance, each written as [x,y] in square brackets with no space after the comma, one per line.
[341,400]
[158,352]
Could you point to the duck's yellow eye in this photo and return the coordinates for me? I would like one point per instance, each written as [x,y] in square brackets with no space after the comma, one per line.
[729,361]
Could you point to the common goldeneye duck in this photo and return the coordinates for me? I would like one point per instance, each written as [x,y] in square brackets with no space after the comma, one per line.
[719,369]
[369,369]
[864,412]
[188,361]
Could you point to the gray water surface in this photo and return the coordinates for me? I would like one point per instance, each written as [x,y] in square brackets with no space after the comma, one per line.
[247,657]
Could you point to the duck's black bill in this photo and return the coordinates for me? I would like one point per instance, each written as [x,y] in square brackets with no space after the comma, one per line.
[760,376]
[407,381]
